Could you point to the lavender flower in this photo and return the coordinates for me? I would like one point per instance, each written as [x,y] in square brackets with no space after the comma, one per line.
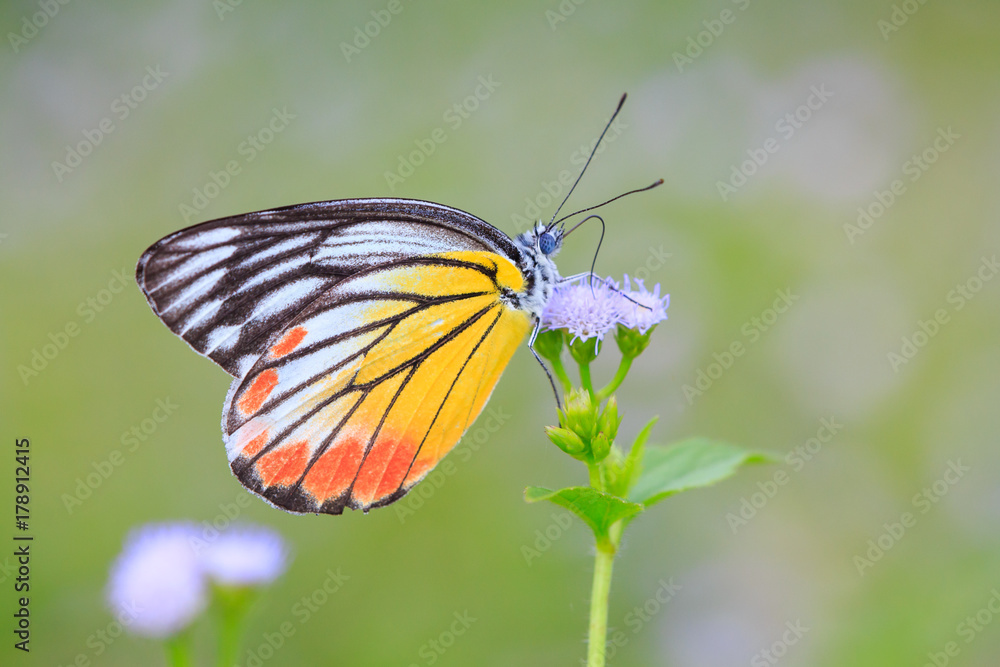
[584,311]
[156,586]
[159,583]
[587,313]
[245,556]
[632,315]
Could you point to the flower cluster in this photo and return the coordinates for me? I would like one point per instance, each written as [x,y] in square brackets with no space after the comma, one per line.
[587,308]
[586,431]
[160,582]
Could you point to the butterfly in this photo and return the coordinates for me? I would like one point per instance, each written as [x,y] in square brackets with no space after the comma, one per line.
[364,336]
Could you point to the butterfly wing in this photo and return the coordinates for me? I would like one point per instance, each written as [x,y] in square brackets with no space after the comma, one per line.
[370,385]
[228,286]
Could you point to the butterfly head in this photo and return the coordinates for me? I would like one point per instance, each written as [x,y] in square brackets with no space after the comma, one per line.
[542,239]
[538,246]
[547,243]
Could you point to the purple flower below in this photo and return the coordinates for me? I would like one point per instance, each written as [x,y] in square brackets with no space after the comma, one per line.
[159,583]
[245,556]
[156,586]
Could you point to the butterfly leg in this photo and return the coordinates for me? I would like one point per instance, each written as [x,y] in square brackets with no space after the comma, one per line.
[531,346]
[576,276]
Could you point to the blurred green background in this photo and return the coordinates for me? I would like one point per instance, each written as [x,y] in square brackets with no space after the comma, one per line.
[705,88]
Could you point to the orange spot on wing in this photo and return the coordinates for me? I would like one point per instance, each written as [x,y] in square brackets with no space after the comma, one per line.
[253,447]
[334,470]
[284,465]
[254,397]
[396,470]
[419,469]
[288,342]
[384,468]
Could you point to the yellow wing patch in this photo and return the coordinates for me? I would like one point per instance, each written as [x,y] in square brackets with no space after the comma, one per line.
[369,387]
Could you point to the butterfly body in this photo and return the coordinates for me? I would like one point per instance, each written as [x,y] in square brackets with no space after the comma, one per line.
[364,336]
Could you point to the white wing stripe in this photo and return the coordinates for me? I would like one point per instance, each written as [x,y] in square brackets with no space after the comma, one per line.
[200,314]
[207,238]
[202,261]
[198,288]
[222,337]
[281,298]
[273,272]
[277,249]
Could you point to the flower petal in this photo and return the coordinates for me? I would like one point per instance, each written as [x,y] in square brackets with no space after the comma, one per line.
[156,587]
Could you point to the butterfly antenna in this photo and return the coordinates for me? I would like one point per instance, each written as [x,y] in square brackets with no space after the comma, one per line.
[587,163]
[597,250]
[593,263]
[591,208]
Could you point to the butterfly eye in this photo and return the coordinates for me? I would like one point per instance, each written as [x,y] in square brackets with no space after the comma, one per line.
[547,243]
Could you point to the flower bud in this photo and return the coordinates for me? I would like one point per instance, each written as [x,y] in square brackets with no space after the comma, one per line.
[631,342]
[579,415]
[549,343]
[600,447]
[609,420]
[584,350]
[566,440]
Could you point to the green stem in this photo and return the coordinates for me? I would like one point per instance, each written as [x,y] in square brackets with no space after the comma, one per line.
[600,592]
[229,641]
[233,607]
[179,650]
[585,380]
[617,380]
[596,478]
[561,375]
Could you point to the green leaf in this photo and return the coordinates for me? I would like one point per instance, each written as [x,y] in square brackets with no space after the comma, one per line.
[689,464]
[598,510]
